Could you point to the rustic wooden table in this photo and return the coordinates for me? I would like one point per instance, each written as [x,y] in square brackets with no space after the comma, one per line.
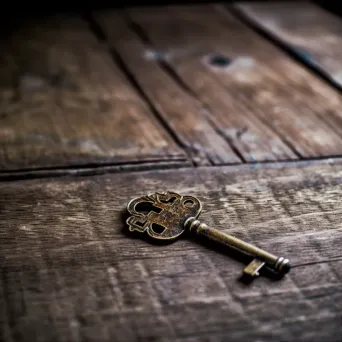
[240,106]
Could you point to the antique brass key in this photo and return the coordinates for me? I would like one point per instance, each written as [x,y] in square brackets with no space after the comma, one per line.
[165,216]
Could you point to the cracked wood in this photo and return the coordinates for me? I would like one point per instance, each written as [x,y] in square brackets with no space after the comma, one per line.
[65,102]
[71,272]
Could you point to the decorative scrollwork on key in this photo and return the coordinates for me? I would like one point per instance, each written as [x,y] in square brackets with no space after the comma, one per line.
[162,215]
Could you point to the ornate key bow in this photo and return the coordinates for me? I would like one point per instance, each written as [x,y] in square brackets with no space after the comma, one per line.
[162,215]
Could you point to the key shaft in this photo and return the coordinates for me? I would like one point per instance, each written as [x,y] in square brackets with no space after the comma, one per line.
[280,264]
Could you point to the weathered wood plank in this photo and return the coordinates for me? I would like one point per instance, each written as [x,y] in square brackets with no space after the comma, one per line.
[70,272]
[182,112]
[260,83]
[65,102]
[94,170]
[230,119]
[310,32]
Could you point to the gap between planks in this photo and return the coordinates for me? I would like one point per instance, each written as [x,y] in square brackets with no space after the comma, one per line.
[89,171]
[264,20]
[319,54]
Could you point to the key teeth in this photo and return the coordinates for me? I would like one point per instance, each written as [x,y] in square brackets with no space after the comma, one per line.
[282,265]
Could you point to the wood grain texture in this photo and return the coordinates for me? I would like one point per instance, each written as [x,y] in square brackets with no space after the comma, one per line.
[71,273]
[65,102]
[183,113]
[313,34]
[260,85]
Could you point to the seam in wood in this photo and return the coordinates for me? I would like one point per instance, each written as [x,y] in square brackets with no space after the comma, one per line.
[228,139]
[168,70]
[117,58]
[141,166]
[318,262]
[208,110]
[91,170]
[297,55]
[315,69]
[286,141]
[167,67]
[141,33]
[249,23]
[100,34]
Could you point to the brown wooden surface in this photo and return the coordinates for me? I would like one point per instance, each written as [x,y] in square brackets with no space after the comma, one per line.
[71,273]
[313,34]
[94,107]
[65,102]
[262,83]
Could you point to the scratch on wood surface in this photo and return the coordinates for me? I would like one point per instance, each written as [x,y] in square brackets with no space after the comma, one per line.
[115,287]
[327,261]
[306,215]
[154,298]
[65,249]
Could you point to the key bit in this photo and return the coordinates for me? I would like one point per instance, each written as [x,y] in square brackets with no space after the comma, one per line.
[165,216]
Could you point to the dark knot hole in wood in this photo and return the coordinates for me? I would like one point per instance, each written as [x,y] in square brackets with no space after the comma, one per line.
[219,61]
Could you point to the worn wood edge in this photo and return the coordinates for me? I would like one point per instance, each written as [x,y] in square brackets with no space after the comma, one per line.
[240,168]
[91,161]
[239,9]
[158,166]
[93,170]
